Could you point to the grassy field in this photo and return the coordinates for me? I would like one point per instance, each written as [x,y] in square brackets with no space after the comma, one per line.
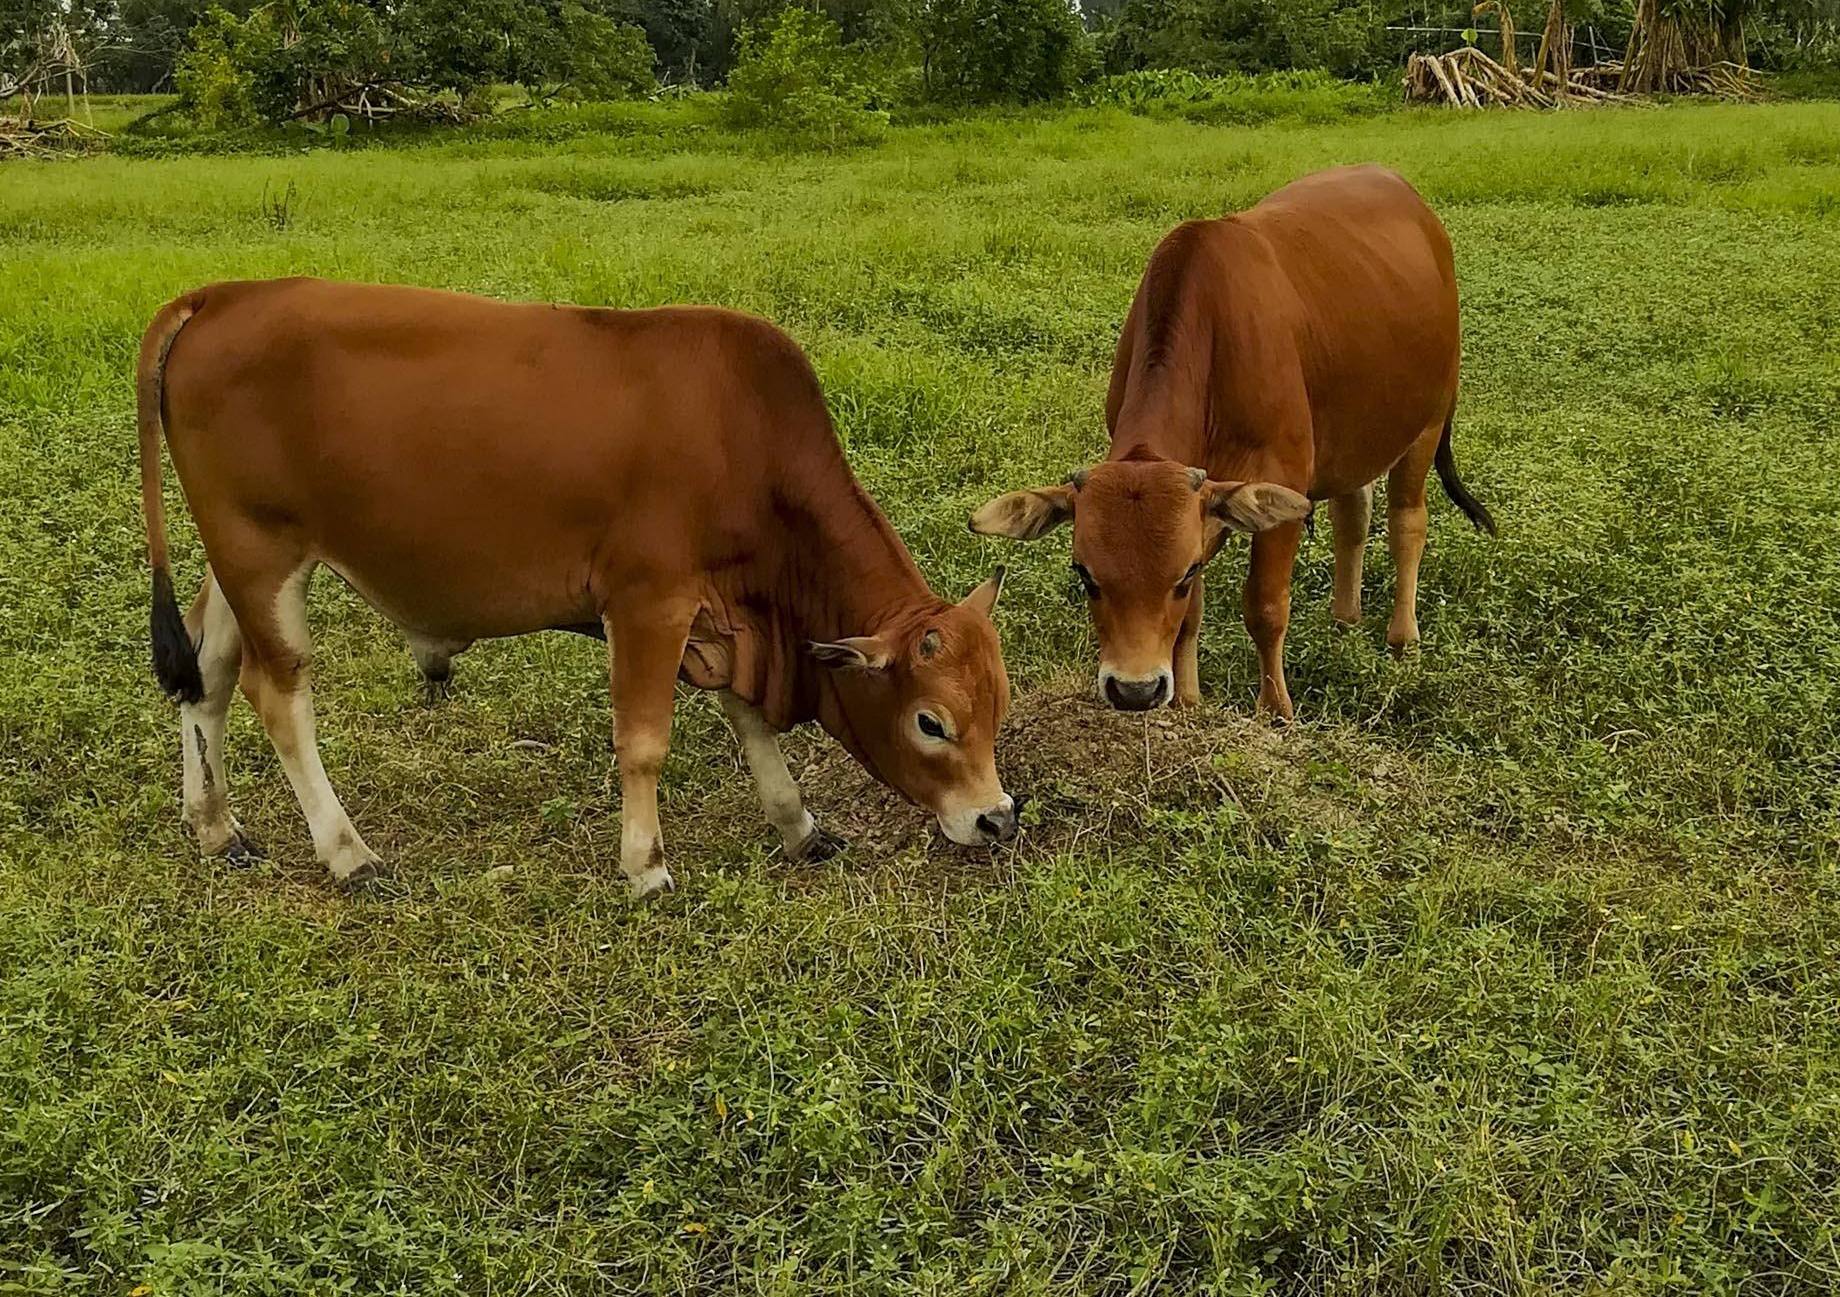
[1510,969]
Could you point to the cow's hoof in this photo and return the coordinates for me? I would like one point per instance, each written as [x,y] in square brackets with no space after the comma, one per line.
[240,852]
[653,883]
[436,689]
[362,868]
[819,846]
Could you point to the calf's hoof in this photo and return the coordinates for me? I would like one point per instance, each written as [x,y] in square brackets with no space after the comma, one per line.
[653,883]
[240,852]
[355,864]
[820,845]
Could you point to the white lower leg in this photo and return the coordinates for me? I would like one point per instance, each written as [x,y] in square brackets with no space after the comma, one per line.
[779,795]
[289,719]
[285,700]
[201,726]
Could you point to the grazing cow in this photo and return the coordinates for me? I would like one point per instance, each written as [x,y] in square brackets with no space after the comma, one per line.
[668,479]
[1286,354]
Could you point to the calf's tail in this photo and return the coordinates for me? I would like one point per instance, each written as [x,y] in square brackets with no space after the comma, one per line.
[1453,485]
[175,657]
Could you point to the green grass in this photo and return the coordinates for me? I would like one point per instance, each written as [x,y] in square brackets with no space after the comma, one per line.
[1511,969]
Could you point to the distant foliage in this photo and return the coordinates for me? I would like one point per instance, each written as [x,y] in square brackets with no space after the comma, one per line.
[1220,36]
[1313,96]
[314,58]
[795,76]
[216,78]
[984,51]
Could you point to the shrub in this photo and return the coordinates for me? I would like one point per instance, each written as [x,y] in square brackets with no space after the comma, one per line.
[983,51]
[216,76]
[794,76]
[312,58]
[1239,99]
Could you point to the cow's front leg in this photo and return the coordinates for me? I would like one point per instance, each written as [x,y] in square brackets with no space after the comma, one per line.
[1188,650]
[1268,611]
[779,795]
[646,647]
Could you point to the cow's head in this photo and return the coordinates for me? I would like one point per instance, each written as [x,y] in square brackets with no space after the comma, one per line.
[921,701]
[1142,531]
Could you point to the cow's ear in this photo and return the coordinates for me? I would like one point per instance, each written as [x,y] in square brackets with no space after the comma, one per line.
[1254,506]
[858,653]
[1025,515]
[984,599]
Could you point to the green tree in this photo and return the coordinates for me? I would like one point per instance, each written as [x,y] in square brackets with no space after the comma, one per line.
[793,75]
[983,51]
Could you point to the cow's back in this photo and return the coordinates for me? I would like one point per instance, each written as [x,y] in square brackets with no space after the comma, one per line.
[1375,290]
[479,453]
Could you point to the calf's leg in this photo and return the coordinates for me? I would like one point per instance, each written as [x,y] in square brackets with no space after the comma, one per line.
[645,642]
[779,795]
[1351,513]
[1188,646]
[277,650]
[1268,611]
[213,629]
[1405,534]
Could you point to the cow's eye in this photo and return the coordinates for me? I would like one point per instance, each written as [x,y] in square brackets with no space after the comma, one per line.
[930,725]
[1187,583]
[1086,580]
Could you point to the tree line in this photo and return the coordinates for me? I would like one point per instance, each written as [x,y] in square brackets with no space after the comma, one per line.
[279,58]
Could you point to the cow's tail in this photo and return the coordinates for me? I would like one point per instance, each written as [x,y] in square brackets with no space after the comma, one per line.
[1453,485]
[175,657]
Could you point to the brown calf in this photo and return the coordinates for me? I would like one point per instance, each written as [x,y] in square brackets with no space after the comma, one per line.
[668,479]
[1289,353]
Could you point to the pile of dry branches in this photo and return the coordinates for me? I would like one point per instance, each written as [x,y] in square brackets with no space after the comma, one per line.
[20,138]
[51,63]
[1469,78]
[1665,57]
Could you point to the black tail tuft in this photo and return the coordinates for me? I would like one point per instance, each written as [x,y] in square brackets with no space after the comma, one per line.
[1453,485]
[175,660]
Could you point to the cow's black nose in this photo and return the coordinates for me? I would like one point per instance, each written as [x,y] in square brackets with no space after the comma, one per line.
[1135,695]
[998,824]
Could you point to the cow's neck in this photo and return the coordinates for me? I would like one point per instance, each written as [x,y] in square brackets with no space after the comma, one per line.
[847,571]
[1167,410]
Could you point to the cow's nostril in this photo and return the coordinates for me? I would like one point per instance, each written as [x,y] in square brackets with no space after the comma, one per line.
[1134,695]
[999,826]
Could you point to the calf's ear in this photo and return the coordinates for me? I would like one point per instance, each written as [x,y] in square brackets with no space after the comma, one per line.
[858,653]
[1025,515]
[984,599]
[1254,506]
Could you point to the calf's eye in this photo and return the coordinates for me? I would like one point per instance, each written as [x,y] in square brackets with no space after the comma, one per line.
[1086,580]
[930,725]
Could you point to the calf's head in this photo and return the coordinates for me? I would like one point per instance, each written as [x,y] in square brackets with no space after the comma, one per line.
[920,702]
[1142,531]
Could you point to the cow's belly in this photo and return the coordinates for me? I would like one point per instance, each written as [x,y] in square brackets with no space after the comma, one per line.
[452,601]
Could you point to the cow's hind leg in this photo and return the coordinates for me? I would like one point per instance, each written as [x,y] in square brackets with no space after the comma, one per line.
[1352,514]
[645,640]
[219,640]
[1405,534]
[275,677]
[436,657]
[779,795]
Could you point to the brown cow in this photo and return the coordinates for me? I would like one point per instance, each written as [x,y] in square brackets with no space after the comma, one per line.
[1289,353]
[668,479]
